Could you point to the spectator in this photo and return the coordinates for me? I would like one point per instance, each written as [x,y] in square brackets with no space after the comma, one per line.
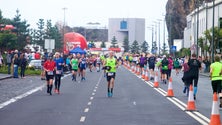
[9,61]
[37,55]
[207,65]
[1,60]
[23,63]
[15,63]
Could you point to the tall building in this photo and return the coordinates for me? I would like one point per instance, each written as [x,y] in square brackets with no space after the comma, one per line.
[199,21]
[132,28]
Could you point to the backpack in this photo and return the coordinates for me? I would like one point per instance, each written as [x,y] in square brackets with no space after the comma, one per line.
[165,64]
[176,63]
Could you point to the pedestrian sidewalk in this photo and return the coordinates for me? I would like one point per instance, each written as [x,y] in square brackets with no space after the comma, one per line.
[5,76]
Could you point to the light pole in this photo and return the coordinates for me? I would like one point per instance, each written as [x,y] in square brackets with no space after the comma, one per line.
[151,28]
[197,5]
[213,34]
[159,33]
[64,14]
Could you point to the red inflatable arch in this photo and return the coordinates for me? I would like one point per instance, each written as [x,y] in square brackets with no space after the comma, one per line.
[73,40]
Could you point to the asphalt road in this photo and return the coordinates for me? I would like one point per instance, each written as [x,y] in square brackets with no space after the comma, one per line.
[135,102]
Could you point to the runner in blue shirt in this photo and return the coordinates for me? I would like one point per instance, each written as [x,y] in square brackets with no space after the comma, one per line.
[59,69]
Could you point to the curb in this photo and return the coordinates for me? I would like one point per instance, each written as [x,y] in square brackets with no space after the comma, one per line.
[7,77]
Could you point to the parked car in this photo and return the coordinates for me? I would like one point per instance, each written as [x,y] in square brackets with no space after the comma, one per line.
[37,64]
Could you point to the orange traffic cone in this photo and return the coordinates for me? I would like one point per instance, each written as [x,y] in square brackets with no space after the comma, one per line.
[132,69]
[215,114]
[156,83]
[170,88]
[191,104]
[128,66]
[143,74]
[138,70]
[146,76]
[135,69]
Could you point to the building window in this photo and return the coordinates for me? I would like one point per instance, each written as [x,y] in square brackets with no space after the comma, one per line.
[123,25]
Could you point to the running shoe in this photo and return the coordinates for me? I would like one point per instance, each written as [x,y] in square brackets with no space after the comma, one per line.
[109,94]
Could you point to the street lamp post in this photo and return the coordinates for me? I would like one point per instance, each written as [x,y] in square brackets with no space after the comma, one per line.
[64,9]
[159,34]
[197,4]
[213,34]
[151,28]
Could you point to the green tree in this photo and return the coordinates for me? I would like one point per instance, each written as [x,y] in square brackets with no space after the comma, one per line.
[126,44]
[184,52]
[22,30]
[8,40]
[103,44]
[144,47]
[135,48]
[40,33]
[164,49]
[52,32]
[113,42]
[208,36]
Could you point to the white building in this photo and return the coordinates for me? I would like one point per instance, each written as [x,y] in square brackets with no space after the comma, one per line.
[204,22]
[132,28]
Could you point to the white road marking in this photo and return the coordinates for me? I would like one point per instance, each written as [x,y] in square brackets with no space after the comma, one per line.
[91,98]
[82,119]
[93,93]
[86,110]
[134,103]
[96,87]
[2,105]
[89,103]
[196,115]
[94,90]
[14,99]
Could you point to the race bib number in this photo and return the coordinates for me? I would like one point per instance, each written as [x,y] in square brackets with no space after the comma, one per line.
[110,74]
[50,72]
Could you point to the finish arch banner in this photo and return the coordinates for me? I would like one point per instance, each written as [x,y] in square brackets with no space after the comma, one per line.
[73,40]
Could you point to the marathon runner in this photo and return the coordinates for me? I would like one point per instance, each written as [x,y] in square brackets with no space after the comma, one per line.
[59,70]
[49,67]
[111,65]
[74,63]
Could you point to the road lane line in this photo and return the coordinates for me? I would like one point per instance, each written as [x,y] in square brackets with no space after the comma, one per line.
[2,105]
[197,118]
[89,103]
[176,103]
[14,99]
[93,93]
[82,119]
[86,110]
[196,115]
[91,98]
[202,116]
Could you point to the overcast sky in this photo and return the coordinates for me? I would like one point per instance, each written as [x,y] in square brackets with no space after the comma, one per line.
[81,12]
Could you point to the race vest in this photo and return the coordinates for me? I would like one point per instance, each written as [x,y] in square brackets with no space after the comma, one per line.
[217,67]
[74,63]
[112,64]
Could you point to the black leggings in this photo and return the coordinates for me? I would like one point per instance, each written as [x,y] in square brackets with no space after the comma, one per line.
[57,81]
[216,86]
[194,79]
[22,73]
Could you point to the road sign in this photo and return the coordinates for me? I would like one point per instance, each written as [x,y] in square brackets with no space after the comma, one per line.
[49,44]
[173,48]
